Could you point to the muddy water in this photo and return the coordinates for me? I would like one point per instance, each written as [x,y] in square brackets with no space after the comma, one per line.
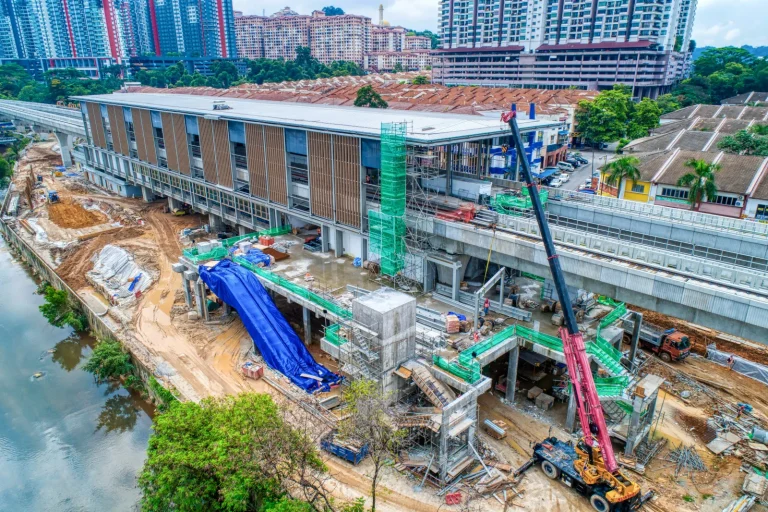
[66,444]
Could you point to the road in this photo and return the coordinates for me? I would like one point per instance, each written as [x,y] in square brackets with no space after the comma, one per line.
[584,172]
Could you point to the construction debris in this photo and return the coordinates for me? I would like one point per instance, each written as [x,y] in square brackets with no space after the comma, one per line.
[686,458]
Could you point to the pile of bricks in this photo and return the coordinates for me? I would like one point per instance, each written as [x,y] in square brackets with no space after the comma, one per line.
[452,324]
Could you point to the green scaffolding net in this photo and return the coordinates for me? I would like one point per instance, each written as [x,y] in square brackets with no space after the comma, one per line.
[219,253]
[509,204]
[387,227]
[332,335]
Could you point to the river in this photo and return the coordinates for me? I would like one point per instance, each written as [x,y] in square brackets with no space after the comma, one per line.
[66,443]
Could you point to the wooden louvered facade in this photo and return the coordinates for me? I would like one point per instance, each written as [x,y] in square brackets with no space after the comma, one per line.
[145,135]
[181,143]
[320,174]
[257,165]
[223,155]
[346,165]
[117,127]
[276,168]
[97,125]
[205,127]
[170,143]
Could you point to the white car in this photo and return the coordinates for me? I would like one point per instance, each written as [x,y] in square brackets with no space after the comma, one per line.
[556,182]
[565,177]
[565,166]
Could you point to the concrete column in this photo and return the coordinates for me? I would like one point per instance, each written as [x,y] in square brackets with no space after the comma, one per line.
[512,374]
[501,288]
[227,309]
[216,222]
[307,327]
[147,195]
[339,243]
[188,278]
[173,204]
[570,416]
[274,218]
[200,299]
[325,237]
[242,230]
[634,423]
[638,319]
[65,148]
[455,284]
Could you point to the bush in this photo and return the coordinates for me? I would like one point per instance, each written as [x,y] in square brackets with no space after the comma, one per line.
[108,361]
[165,396]
[59,312]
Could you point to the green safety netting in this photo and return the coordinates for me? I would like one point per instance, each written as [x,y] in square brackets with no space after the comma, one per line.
[607,301]
[466,357]
[607,386]
[618,312]
[295,288]
[221,252]
[509,204]
[471,374]
[387,239]
[332,335]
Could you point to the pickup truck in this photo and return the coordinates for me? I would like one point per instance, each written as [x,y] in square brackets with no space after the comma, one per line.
[668,344]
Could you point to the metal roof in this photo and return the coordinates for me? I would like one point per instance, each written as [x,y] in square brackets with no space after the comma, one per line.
[423,127]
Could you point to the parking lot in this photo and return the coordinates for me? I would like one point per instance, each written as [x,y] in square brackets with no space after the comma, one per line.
[580,175]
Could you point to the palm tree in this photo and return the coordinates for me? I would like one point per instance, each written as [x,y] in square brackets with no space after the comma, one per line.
[624,168]
[700,182]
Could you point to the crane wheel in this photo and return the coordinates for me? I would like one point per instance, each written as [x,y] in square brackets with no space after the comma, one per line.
[599,503]
[550,470]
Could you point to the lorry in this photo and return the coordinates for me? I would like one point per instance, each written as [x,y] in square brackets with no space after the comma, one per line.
[668,344]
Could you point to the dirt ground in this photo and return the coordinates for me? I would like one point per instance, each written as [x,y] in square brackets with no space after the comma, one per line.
[200,360]
[71,215]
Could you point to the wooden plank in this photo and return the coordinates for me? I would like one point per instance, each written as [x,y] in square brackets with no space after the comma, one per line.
[149,136]
[257,165]
[346,164]
[320,174]
[170,141]
[206,147]
[182,145]
[276,169]
[223,155]
[97,125]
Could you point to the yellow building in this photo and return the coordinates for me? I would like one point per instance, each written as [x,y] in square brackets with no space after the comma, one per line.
[640,191]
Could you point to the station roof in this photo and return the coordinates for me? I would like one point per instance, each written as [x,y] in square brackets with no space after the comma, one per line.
[423,127]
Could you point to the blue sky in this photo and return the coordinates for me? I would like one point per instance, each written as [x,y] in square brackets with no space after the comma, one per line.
[718,22]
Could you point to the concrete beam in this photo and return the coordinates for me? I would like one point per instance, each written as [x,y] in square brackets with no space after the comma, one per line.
[307,327]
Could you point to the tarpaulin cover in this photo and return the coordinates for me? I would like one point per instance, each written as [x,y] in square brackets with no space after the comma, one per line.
[740,365]
[255,256]
[278,344]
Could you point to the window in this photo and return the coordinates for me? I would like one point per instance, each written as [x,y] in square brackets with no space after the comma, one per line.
[726,200]
[638,189]
[674,193]
[157,125]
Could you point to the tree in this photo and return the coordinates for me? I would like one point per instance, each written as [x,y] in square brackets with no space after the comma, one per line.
[370,420]
[367,97]
[667,103]
[398,67]
[13,78]
[6,171]
[644,117]
[716,59]
[420,80]
[700,182]
[108,361]
[236,453]
[747,142]
[621,169]
[34,92]
[60,312]
[333,11]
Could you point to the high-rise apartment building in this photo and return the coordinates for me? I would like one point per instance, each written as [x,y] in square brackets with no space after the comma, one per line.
[330,38]
[116,28]
[387,39]
[561,43]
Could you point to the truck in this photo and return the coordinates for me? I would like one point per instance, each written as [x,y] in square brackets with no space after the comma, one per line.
[668,344]
[351,451]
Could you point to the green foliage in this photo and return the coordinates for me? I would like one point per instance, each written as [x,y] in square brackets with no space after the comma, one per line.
[398,68]
[368,97]
[434,38]
[333,11]
[228,454]
[700,182]
[60,312]
[6,170]
[13,78]
[613,115]
[621,169]
[753,141]
[720,73]
[688,498]
[165,396]
[108,361]
[667,103]
[420,80]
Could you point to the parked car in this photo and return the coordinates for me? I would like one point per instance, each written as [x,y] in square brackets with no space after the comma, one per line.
[575,163]
[555,183]
[565,166]
[579,158]
[565,177]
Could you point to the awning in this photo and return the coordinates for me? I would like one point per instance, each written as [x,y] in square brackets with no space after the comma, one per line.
[546,173]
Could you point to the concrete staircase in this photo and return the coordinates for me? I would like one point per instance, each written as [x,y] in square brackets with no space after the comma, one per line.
[439,394]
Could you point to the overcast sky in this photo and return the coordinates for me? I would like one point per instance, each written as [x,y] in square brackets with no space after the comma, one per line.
[718,22]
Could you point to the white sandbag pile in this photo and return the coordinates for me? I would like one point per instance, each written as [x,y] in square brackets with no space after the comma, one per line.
[114,271]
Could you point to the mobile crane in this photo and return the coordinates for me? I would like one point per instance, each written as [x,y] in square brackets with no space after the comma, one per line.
[590,466]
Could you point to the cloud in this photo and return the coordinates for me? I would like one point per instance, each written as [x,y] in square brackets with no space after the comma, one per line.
[729,22]
[732,34]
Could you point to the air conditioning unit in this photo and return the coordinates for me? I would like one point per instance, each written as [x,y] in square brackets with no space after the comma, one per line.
[739,203]
[741,198]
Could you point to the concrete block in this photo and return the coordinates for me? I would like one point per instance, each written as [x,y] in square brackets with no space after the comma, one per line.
[545,401]
[534,392]
[178,268]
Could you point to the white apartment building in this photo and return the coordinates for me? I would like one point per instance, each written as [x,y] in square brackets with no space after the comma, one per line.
[415,60]
[334,38]
[387,39]
[417,43]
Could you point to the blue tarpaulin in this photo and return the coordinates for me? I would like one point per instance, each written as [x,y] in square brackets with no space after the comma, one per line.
[278,344]
[255,256]
[546,173]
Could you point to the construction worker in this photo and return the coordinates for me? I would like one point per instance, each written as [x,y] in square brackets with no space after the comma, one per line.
[486,306]
[731,361]
[476,336]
